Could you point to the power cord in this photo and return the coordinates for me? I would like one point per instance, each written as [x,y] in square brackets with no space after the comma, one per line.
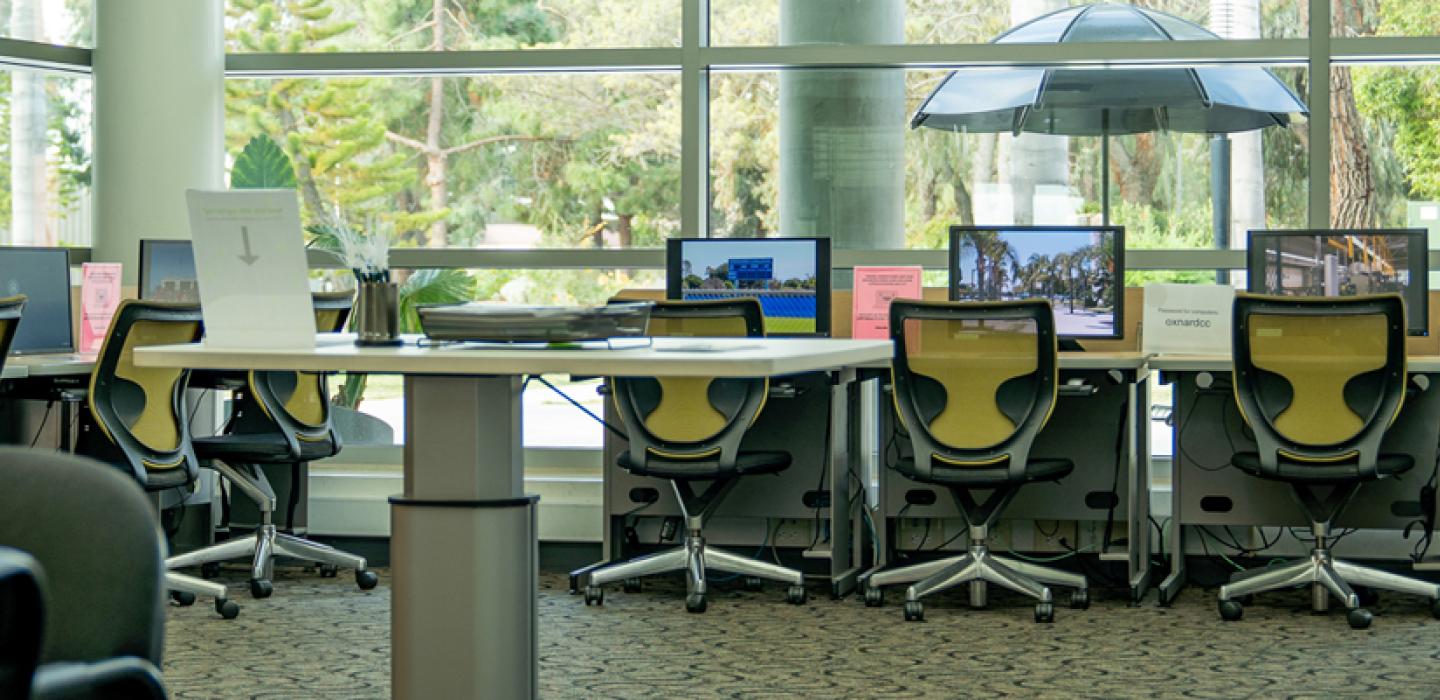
[43,421]
[618,432]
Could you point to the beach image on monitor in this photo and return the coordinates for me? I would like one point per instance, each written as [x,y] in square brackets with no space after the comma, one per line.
[1334,265]
[1075,270]
[780,273]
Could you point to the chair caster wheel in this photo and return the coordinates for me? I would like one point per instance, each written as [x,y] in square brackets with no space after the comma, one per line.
[1359,618]
[632,585]
[594,595]
[695,603]
[1080,599]
[210,569]
[1044,612]
[753,583]
[366,579]
[329,571]
[227,608]
[182,598]
[1435,608]
[797,595]
[1369,597]
[260,588]
[1231,610]
[914,611]
[874,596]
[1247,599]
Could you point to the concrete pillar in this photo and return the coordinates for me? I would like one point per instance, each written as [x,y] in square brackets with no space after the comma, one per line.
[842,132]
[159,119]
[1240,19]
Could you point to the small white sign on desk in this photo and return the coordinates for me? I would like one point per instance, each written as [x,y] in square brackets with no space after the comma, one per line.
[250,264]
[1187,318]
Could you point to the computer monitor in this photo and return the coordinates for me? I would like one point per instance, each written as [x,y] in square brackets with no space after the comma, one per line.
[1080,269]
[790,277]
[1344,262]
[43,276]
[167,271]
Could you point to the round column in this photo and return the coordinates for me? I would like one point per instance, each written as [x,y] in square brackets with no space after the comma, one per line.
[159,69]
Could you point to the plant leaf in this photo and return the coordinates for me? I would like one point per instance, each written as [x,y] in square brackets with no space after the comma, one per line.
[262,165]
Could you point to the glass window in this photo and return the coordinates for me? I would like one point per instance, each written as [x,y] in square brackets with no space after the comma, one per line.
[832,152]
[1384,18]
[65,22]
[292,26]
[769,22]
[45,131]
[503,161]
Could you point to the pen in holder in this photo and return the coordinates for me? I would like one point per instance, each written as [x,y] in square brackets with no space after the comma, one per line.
[377,314]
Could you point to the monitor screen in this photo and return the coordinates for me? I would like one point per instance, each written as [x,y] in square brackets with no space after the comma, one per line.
[1080,269]
[1327,263]
[790,277]
[167,271]
[43,276]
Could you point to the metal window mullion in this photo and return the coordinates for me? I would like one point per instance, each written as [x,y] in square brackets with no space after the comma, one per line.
[48,58]
[1117,53]
[410,63]
[1319,103]
[694,121]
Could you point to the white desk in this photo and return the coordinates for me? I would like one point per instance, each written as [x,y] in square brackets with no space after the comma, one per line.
[11,370]
[463,543]
[64,365]
[1223,363]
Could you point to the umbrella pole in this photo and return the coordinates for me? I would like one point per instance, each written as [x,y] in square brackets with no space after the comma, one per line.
[1104,179]
[1220,197]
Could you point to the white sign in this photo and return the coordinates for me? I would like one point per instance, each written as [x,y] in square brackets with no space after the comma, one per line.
[251,269]
[1190,319]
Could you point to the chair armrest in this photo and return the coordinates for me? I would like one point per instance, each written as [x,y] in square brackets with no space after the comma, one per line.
[124,677]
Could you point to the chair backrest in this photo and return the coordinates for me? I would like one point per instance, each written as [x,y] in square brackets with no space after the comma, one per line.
[11,308]
[96,536]
[974,382]
[1319,379]
[692,418]
[21,621]
[141,410]
[296,404]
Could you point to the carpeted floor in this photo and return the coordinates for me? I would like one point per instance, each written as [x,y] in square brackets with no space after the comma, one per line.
[323,638]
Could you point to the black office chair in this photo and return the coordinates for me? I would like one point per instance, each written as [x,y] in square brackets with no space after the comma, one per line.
[64,631]
[689,429]
[1319,381]
[137,420]
[11,308]
[973,385]
[281,418]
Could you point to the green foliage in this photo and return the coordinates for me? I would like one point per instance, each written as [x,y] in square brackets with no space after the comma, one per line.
[431,287]
[262,165]
[1407,99]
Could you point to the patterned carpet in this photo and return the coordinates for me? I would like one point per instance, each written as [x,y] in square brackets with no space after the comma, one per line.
[323,638]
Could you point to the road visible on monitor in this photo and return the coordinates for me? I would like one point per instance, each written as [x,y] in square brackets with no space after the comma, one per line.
[1082,322]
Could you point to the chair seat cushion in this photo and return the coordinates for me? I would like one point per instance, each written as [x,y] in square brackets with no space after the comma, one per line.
[1294,471]
[946,474]
[758,462]
[260,448]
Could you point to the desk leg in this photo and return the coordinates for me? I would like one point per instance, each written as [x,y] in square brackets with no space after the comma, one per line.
[844,567]
[463,545]
[1139,463]
[1175,541]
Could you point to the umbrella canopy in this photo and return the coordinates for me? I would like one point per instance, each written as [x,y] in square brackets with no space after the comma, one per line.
[1099,102]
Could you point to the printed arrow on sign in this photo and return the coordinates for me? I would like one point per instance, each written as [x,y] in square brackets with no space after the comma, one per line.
[248,258]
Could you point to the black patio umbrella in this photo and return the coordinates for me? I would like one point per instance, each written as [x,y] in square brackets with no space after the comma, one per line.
[1104,102]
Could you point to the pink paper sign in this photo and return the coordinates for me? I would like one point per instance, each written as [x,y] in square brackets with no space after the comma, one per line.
[874,288]
[99,297]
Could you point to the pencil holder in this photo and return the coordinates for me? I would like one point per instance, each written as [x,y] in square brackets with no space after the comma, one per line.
[377,314]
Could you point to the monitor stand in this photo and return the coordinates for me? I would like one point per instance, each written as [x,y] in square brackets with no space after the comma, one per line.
[1070,345]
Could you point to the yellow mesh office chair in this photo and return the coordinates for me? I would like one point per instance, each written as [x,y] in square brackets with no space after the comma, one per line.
[1319,381]
[137,419]
[973,384]
[688,429]
[11,308]
[281,418]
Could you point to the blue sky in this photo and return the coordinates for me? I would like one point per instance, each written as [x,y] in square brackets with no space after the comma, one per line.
[793,259]
[1027,243]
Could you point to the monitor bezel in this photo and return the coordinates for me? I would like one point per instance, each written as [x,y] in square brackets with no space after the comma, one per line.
[1118,232]
[69,304]
[147,246]
[1419,264]
[823,290]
